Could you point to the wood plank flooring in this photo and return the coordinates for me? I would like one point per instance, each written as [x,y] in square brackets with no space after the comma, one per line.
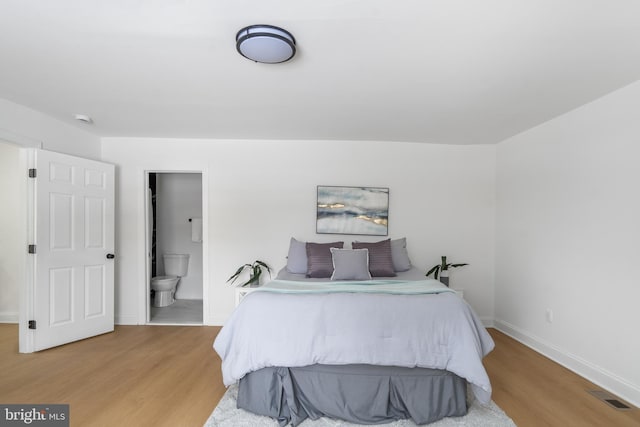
[535,391]
[170,376]
[135,376]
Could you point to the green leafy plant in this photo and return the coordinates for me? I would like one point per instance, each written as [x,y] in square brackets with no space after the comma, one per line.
[255,269]
[437,269]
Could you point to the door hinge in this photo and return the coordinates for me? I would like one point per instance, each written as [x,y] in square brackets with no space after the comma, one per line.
[32,249]
[32,173]
[32,324]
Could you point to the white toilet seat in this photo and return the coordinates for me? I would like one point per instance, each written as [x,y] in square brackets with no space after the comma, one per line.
[163,283]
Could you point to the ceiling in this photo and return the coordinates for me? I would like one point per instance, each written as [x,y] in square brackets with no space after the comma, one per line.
[437,71]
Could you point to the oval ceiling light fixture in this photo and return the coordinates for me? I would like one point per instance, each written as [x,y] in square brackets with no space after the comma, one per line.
[265,43]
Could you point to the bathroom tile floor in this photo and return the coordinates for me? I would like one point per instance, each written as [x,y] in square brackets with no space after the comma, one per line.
[181,312]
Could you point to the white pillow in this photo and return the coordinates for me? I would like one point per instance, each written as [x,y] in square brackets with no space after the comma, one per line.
[350,264]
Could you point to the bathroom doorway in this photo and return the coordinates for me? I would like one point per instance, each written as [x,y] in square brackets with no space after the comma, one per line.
[174,231]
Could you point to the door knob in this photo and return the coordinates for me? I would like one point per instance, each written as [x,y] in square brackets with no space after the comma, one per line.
[110,256]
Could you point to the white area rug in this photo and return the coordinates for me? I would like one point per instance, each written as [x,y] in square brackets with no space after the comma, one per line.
[226,414]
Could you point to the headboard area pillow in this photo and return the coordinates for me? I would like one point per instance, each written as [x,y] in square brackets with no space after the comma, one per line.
[400,255]
[380,262]
[319,260]
[297,257]
[350,264]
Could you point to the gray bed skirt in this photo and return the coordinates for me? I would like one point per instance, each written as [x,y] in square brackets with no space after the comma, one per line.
[362,394]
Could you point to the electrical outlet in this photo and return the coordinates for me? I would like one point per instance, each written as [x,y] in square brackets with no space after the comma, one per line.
[549,314]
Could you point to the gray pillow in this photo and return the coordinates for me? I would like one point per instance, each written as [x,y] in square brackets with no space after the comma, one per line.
[400,255]
[297,257]
[380,263]
[319,262]
[350,264]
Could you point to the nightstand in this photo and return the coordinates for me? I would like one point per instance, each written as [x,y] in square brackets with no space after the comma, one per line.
[242,292]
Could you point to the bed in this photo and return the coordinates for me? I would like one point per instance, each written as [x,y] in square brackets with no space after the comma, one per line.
[365,350]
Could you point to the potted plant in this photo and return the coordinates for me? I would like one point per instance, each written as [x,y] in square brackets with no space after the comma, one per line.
[442,270]
[255,272]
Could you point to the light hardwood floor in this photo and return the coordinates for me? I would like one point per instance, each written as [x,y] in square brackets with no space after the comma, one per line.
[135,376]
[535,391]
[170,376]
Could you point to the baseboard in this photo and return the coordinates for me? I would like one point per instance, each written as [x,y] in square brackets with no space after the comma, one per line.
[216,321]
[603,378]
[126,320]
[9,317]
[487,322]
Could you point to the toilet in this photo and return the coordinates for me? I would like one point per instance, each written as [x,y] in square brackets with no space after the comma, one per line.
[175,267]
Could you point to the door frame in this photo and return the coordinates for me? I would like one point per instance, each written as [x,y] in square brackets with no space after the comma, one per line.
[144,309]
[26,342]
[24,274]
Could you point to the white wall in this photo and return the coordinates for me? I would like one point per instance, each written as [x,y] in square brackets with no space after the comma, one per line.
[568,233]
[34,129]
[23,127]
[11,241]
[178,198]
[260,193]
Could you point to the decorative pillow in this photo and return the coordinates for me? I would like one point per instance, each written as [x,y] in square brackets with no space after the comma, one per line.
[319,262]
[297,257]
[380,263]
[350,264]
[400,255]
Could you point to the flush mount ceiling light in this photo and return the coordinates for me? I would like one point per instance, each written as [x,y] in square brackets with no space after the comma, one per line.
[265,43]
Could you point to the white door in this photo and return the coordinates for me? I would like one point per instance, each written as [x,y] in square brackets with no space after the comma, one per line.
[70,294]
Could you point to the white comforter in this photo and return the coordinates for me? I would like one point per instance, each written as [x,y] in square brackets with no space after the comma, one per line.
[432,330]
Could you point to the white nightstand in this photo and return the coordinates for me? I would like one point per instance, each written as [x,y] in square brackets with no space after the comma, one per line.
[242,291]
[459,292]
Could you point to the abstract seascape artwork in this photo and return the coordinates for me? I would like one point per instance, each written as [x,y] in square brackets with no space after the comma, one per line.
[352,210]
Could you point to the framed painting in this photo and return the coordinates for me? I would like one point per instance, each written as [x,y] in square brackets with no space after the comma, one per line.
[352,210]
